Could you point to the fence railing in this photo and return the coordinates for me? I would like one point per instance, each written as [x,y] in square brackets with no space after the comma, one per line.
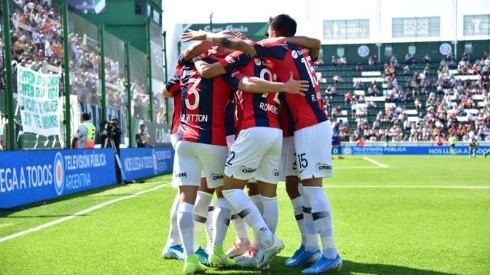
[56,65]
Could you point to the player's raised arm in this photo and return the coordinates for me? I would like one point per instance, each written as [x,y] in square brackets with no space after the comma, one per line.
[221,40]
[312,43]
[196,49]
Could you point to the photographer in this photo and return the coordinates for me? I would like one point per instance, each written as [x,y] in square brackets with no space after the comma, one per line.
[111,138]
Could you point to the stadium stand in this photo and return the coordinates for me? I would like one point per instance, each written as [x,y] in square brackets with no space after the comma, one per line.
[421,101]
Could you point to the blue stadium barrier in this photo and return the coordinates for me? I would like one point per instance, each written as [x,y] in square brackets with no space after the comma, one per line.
[407,150]
[138,163]
[34,176]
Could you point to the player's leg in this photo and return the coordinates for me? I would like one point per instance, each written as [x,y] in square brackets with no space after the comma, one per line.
[314,164]
[203,200]
[309,251]
[173,248]
[209,228]
[213,162]
[245,259]
[303,218]
[187,176]
[221,221]
[242,164]
[242,243]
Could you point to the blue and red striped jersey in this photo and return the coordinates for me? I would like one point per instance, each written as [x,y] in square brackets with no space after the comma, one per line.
[309,109]
[203,104]
[173,87]
[252,109]
[230,117]
[286,119]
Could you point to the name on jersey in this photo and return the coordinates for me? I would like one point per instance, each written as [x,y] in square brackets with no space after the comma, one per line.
[194,117]
[269,108]
[296,54]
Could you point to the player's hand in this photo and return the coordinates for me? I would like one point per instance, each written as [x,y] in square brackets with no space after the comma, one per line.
[240,35]
[190,35]
[298,87]
[228,33]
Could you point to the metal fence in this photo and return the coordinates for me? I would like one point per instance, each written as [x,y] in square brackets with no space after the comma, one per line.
[55,65]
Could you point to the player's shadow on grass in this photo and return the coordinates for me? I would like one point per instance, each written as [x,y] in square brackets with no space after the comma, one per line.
[356,268]
[277,267]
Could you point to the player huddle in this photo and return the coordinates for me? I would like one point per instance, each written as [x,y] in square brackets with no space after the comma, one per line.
[249,114]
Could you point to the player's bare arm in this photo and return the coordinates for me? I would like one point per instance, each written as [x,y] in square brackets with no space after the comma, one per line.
[196,49]
[312,43]
[166,93]
[207,70]
[259,85]
[221,40]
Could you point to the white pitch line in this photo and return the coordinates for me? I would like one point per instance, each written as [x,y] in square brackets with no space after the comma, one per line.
[407,186]
[357,167]
[83,212]
[379,164]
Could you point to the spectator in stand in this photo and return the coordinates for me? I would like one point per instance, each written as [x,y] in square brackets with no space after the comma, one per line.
[142,137]
[359,85]
[372,60]
[359,67]
[342,61]
[337,79]
[394,62]
[410,59]
[334,61]
[330,91]
[336,112]
[347,98]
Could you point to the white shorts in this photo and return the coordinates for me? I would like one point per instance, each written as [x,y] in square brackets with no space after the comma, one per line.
[230,139]
[314,151]
[288,158]
[173,139]
[256,154]
[192,158]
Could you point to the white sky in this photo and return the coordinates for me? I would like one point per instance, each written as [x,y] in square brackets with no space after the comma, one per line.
[198,11]
[310,14]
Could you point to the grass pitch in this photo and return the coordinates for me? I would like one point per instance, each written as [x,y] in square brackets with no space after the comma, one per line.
[392,215]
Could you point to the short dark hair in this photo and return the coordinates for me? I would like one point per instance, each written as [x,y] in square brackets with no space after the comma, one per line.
[283,25]
[86,116]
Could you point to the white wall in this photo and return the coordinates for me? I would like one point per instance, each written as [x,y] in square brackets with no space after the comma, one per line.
[310,15]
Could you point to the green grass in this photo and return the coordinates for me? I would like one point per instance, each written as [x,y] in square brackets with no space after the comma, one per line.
[386,221]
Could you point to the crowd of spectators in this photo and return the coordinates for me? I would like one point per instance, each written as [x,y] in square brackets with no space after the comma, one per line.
[427,105]
[37,44]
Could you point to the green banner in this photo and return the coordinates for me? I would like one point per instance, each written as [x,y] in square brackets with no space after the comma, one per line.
[38,101]
[254,31]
